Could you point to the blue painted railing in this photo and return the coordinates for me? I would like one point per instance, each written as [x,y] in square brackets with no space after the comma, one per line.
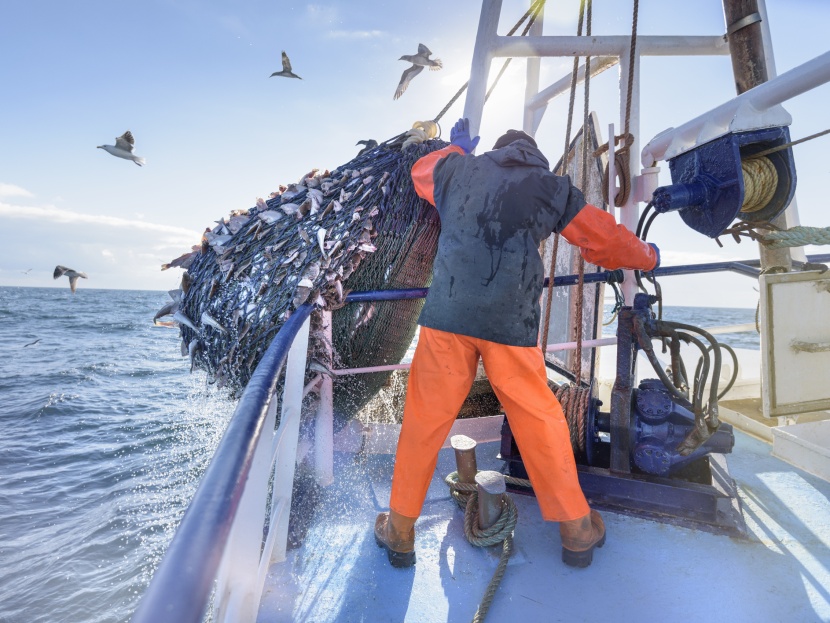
[180,589]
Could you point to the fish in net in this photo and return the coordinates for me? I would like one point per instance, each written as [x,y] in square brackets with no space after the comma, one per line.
[359,227]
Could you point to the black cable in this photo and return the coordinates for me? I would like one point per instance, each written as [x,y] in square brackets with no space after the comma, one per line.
[713,391]
[643,216]
[665,330]
[734,378]
[644,340]
[651,218]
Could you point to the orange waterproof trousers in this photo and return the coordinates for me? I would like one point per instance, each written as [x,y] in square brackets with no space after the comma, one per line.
[442,373]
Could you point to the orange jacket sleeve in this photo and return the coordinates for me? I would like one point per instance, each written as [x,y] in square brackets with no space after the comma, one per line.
[422,171]
[604,243]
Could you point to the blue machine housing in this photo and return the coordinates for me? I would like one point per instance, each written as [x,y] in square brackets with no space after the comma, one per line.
[658,427]
[708,184]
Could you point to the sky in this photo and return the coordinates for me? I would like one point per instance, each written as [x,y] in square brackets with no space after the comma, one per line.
[190,80]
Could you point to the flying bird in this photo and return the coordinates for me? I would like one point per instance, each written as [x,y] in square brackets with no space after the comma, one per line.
[419,61]
[73,275]
[27,271]
[123,148]
[286,69]
[32,343]
[368,146]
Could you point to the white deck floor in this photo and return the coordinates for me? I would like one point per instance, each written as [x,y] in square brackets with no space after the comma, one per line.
[647,571]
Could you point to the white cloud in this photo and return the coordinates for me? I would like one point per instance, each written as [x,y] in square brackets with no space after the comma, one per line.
[10,190]
[52,214]
[356,34]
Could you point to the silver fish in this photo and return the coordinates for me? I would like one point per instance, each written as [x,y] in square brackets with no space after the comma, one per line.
[300,296]
[320,367]
[236,223]
[312,271]
[209,320]
[180,317]
[321,240]
[192,349]
[316,197]
[171,308]
[270,216]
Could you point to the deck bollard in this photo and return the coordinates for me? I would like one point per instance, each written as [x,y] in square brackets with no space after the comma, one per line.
[491,490]
[465,458]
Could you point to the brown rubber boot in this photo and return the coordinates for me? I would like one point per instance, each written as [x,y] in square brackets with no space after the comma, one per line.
[580,537]
[396,534]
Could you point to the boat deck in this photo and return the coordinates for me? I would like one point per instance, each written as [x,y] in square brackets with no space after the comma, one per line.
[646,571]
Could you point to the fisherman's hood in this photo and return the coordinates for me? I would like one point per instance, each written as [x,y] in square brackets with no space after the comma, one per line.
[518,154]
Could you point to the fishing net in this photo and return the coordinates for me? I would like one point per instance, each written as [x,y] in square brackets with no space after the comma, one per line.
[359,227]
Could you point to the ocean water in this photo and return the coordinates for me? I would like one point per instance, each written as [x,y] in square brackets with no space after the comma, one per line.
[705,317]
[104,434]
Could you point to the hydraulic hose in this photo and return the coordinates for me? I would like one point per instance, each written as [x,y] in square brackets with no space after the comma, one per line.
[713,391]
[734,378]
[644,340]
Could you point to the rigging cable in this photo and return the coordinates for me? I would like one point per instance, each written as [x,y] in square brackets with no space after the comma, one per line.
[533,12]
[554,254]
[622,156]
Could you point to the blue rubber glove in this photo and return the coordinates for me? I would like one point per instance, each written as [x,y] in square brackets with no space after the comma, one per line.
[657,251]
[460,135]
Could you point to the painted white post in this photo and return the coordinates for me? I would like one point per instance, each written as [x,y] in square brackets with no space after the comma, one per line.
[482,57]
[532,117]
[539,102]
[791,213]
[324,421]
[612,171]
[285,450]
[630,212]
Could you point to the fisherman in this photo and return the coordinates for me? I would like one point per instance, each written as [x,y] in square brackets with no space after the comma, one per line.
[495,210]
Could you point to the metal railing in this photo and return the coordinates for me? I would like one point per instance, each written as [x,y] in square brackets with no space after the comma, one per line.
[220,538]
[233,486]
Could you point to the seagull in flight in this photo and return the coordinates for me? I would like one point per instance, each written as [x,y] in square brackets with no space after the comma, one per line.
[123,148]
[419,61]
[286,69]
[73,275]
[27,271]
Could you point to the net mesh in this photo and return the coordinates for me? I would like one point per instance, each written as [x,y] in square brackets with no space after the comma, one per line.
[359,227]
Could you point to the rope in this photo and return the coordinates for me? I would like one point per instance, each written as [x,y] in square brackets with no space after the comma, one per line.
[796,237]
[533,13]
[466,496]
[772,150]
[565,160]
[580,288]
[421,131]
[760,182]
[575,401]
[622,156]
